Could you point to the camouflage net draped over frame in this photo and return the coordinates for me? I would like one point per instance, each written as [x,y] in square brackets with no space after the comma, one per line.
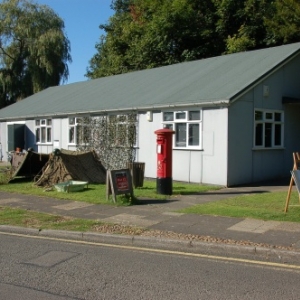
[113,137]
[64,165]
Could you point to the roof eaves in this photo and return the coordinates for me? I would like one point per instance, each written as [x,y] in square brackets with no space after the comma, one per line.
[223,102]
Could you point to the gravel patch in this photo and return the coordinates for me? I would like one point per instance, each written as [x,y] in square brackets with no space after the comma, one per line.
[128,230]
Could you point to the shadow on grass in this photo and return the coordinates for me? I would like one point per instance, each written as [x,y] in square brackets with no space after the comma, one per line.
[21,180]
[220,193]
[152,201]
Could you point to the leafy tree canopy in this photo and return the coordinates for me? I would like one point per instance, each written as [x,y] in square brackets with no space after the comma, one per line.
[34,50]
[150,33]
[284,25]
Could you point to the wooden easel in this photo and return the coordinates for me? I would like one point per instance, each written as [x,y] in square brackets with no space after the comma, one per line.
[118,182]
[296,158]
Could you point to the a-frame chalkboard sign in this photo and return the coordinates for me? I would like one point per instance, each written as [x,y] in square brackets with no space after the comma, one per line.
[118,182]
[295,178]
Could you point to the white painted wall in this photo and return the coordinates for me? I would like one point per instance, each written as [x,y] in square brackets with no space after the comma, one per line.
[147,142]
[214,156]
[247,164]
[199,166]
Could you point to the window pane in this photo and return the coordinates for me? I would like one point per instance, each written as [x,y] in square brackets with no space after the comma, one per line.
[168,116]
[194,115]
[269,116]
[82,135]
[48,135]
[112,118]
[258,115]
[268,134]
[112,136]
[43,137]
[43,122]
[37,135]
[131,134]
[71,121]
[278,117]
[71,135]
[121,118]
[180,134]
[49,122]
[259,135]
[193,134]
[132,118]
[168,126]
[277,134]
[180,115]
[122,135]
[37,122]
[79,132]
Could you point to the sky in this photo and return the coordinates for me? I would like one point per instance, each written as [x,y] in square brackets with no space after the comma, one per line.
[82,19]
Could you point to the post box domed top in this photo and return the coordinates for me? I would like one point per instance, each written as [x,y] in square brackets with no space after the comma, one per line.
[164,131]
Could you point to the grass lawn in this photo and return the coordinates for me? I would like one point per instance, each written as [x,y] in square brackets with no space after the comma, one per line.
[264,206]
[25,218]
[96,193]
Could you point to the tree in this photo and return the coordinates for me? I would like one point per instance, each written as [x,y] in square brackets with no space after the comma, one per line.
[283,26]
[150,33]
[241,23]
[34,50]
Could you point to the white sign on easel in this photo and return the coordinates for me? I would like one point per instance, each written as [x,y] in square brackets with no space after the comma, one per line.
[295,178]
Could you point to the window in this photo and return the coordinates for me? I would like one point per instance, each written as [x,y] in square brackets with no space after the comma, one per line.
[122,130]
[187,126]
[268,131]
[79,130]
[43,131]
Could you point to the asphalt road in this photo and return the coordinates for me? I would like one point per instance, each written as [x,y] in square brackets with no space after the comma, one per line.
[35,268]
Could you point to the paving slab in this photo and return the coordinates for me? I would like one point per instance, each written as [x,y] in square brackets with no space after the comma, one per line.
[72,205]
[128,219]
[254,226]
[6,201]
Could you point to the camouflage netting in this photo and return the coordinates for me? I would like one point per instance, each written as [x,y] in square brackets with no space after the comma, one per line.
[64,165]
[27,164]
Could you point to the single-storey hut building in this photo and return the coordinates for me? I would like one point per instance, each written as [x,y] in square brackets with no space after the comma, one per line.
[235,116]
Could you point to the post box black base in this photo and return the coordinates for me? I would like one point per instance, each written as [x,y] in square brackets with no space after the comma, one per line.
[164,186]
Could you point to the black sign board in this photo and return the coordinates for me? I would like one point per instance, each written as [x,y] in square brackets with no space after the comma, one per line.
[118,182]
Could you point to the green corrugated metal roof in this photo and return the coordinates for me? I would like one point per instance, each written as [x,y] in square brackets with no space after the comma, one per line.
[213,80]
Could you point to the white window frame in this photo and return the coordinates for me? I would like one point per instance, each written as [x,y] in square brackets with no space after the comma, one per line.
[269,123]
[74,123]
[122,120]
[43,131]
[176,119]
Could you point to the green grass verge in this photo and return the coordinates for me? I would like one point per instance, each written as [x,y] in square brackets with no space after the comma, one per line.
[25,218]
[264,206]
[96,193]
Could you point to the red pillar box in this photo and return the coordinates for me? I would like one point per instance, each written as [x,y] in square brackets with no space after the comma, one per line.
[164,161]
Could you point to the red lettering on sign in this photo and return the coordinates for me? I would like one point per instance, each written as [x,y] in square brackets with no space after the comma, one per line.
[122,182]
